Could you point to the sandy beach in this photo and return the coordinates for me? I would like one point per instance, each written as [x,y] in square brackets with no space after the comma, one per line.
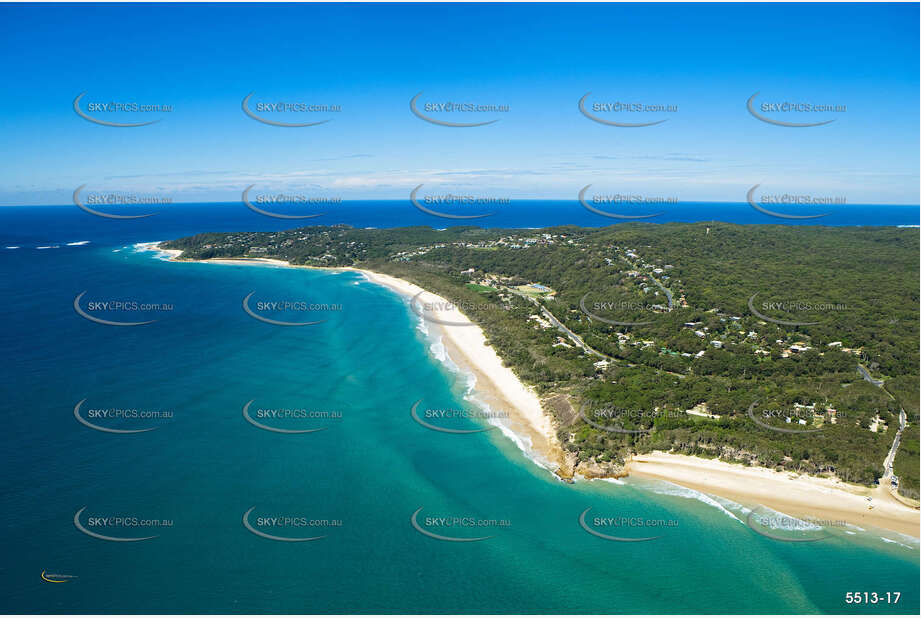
[496,385]
[535,431]
[155,246]
[789,493]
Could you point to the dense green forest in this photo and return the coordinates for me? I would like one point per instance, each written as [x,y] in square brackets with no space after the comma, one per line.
[729,322]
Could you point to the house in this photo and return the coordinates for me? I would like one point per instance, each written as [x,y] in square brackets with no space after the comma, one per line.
[541,322]
[702,409]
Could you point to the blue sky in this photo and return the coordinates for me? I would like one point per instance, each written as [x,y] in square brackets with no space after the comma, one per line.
[538,59]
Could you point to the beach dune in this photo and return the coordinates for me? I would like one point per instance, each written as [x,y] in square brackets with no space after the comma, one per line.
[798,495]
[496,384]
[535,431]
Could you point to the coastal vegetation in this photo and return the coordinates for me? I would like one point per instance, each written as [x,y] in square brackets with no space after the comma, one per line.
[708,339]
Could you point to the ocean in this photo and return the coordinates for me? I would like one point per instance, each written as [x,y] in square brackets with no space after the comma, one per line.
[365,481]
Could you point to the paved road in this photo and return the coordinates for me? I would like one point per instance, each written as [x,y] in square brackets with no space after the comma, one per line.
[890,458]
[576,339]
[866,376]
[668,293]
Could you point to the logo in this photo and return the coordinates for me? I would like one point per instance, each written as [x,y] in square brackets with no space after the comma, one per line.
[277,414]
[633,521]
[116,107]
[280,522]
[447,414]
[790,107]
[617,413]
[448,522]
[797,530]
[105,521]
[625,306]
[454,107]
[415,202]
[57,578]
[751,307]
[611,214]
[792,199]
[110,306]
[277,306]
[776,413]
[249,205]
[113,414]
[622,107]
[281,107]
[436,306]
[79,203]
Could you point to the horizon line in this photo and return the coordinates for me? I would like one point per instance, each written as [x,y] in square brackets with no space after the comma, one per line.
[533,199]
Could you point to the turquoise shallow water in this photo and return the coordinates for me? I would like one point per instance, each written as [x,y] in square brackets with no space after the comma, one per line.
[369,469]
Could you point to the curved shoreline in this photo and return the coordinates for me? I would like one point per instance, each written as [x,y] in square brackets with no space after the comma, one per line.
[496,385]
[796,495]
[535,430]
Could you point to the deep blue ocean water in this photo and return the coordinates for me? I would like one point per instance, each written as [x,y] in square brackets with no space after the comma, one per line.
[30,225]
[369,468]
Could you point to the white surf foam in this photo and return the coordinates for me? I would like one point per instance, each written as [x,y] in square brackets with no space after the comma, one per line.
[778,521]
[905,540]
[722,504]
[896,542]
[524,443]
